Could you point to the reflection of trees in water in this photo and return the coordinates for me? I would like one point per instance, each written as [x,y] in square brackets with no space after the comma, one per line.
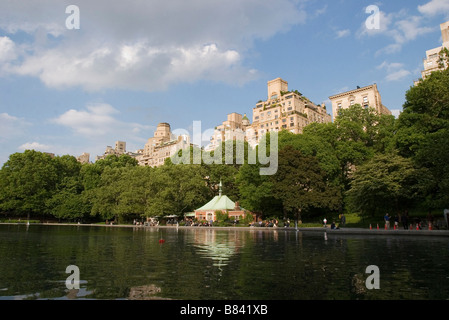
[146,292]
[212,263]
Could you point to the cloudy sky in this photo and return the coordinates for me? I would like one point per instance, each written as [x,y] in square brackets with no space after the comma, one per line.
[69,89]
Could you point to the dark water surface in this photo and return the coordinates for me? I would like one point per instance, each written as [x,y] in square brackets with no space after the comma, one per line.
[214,264]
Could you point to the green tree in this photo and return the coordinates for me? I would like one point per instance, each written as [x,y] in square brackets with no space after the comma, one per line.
[68,201]
[27,181]
[302,186]
[256,191]
[386,183]
[176,189]
[106,196]
[135,194]
[422,131]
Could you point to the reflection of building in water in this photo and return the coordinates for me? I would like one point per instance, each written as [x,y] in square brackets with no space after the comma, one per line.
[217,246]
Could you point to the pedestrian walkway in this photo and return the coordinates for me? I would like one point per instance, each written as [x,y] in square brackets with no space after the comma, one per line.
[367,231]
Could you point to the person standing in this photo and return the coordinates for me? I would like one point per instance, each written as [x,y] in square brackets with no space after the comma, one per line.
[430,220]
[404,220]
[387,221]
[396,221]
[446,217]
[343,220]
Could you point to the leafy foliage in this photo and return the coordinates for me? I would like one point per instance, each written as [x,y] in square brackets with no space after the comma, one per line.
[364,162]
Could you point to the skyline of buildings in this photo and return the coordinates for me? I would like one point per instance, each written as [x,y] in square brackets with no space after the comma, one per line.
[77,91]
[282,110]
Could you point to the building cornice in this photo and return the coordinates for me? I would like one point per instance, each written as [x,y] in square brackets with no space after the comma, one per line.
[358,90]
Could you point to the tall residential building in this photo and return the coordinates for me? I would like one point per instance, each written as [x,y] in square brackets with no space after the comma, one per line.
[368,97]
[120,148]
[283,110]
[431,61]
[84,158]
[163,145]
[232,129]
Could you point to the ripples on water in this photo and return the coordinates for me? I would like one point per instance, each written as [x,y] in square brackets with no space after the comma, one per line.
[206,263]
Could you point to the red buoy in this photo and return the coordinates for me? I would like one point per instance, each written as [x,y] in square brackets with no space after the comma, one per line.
[161,241]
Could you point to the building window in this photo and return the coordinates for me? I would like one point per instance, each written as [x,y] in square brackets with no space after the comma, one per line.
[365,99]
[352,102]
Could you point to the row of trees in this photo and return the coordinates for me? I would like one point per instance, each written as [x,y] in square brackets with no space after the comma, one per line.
[363,162]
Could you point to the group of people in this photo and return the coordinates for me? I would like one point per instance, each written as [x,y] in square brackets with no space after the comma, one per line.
[266,223]
[342,218]
[193,223]
[406,223]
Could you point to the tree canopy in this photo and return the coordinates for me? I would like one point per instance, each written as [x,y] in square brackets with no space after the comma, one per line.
[363,162]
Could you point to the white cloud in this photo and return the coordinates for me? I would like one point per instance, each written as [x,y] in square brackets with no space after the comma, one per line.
[400,27]
[397,75]
[7,49]
[435,7]
[11,127]
[145,45]
[343,33]
[35,146]
[395,71]
[99,120]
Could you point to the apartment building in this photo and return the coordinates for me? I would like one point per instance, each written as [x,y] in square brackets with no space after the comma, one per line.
[283,110]
[161,146]
[234,128]
[432,60]
[84,158]
[368,97]
[119,149]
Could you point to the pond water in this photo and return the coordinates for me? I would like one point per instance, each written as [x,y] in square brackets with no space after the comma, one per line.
[212,264]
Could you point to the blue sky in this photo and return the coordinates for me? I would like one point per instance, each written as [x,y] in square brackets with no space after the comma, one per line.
[134,64]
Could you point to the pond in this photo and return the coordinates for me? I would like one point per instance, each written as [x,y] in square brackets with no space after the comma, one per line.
[218,264]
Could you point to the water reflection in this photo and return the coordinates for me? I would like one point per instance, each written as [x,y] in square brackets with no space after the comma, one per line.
[217,246]
[194,263]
